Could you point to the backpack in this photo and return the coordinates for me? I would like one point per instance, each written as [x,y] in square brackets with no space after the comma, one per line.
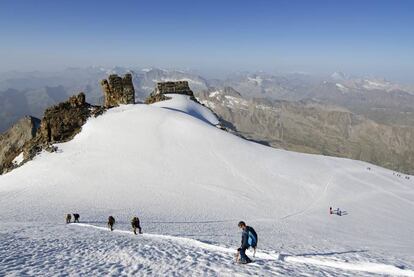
[135,221]
[252,239]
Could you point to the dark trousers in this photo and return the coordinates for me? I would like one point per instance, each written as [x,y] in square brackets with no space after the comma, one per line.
[134,228]
[243,256]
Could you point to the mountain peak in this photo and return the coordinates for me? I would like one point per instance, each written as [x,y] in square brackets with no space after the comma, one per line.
[339,76]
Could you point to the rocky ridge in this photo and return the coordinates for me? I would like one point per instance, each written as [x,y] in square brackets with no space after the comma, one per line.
[63,121]
[162,89]
[118,90]
[60,123]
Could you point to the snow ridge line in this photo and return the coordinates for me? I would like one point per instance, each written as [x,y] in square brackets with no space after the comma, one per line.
[376,268]
[185,242]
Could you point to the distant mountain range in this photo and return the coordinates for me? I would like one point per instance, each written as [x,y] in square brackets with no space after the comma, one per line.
[314,127]
[31,93]
[364,118]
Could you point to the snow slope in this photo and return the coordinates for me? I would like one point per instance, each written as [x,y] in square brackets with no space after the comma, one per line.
[190,183]
[182,103]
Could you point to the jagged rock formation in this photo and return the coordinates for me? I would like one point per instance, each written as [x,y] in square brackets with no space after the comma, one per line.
[60,123]
[13,140]
[163,88]
[63,121]
[29,136]
[179,87]
[118,90]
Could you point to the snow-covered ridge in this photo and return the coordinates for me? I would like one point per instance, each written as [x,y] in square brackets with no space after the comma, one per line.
[346,83]
[184,177]
[184,104]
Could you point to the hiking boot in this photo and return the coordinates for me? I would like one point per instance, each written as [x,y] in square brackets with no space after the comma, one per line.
[245,261]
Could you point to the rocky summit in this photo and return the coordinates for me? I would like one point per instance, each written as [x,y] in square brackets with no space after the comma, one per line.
[60,123]
[163,88]
[118,90]
[63,121]
[179,87]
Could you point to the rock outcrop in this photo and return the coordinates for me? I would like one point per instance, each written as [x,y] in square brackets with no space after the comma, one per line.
[60,123]
[179,87]
[63,121]
[164,88]
[118,90]
[156,98]
[30,135]
[13,140]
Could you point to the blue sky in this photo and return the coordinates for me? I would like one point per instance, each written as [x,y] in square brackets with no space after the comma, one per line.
[360,37]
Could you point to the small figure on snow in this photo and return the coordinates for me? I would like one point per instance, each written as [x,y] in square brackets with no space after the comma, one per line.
[337,211]
[76,218]
[111,222]
[135,225]
[68,218]
[249,239]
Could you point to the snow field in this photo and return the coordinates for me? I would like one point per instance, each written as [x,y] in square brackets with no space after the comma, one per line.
[185,178]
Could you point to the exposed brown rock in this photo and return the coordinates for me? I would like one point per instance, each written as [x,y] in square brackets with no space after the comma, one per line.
[118,90]
[13,140]
[60,123]
[156,98]
[63,121]
[163,88]
[179,87]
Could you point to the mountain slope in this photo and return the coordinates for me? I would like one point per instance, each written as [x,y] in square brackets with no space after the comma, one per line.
[314,127]
[187,178]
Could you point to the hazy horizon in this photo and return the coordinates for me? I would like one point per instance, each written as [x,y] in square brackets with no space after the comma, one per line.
[317,37]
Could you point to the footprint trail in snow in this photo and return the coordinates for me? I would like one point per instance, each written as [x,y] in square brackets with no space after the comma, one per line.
[206,251]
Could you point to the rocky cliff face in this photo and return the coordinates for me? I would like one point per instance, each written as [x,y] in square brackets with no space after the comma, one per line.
[118,90]
[13,140]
